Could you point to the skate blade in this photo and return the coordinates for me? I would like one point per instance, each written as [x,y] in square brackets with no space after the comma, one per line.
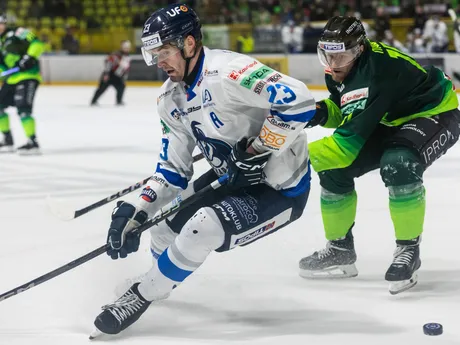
[31,152]
[403,285]
[333,272]
[95,333]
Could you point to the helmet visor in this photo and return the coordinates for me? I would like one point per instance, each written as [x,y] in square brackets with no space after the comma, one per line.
[334,55]
[157,55]
[155,51]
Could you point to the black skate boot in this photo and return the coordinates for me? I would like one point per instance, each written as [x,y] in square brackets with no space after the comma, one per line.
[6,145]
[30,148]
[402,273]
[337,260]
[121,314]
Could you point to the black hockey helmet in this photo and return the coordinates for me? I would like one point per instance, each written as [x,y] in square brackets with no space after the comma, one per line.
[339,44]
[171,24]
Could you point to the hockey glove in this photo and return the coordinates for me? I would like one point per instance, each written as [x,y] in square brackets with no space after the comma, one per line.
[245,169]
[321,115]
[27,62]
[122,241]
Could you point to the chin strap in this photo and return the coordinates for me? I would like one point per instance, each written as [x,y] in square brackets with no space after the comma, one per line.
[187,62]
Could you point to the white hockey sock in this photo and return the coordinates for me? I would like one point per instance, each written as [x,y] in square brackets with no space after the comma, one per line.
[171,269]
[201,235]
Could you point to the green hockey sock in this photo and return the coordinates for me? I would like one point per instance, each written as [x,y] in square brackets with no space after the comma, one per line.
[28,123]
[4,123]
[407,209]
[339,212]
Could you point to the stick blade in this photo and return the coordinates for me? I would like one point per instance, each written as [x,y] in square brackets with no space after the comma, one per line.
[59,210]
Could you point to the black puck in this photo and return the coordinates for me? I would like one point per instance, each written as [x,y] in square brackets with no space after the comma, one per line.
[432,328]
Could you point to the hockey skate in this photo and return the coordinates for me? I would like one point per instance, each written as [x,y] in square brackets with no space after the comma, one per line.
[402,273]
[30,148]
[337,260]
[6,145]
[121,314]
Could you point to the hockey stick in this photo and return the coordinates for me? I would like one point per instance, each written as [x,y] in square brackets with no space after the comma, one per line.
[9,72]
[62,213]
[165,212]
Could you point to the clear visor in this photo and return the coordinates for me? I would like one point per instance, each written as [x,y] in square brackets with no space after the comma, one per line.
[337,58]
[157,55]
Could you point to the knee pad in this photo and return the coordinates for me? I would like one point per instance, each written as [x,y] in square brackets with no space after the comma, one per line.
[401,166]
[161,237]
[202,234]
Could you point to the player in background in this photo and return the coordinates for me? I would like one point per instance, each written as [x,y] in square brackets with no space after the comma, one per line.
[19,48]
[248,121]
[389,113]
[116,68]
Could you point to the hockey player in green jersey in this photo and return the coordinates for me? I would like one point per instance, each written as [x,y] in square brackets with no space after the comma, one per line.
[389,113]
[19,48]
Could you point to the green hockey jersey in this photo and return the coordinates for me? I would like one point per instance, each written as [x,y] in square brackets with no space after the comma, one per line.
[15,43]
[385,87]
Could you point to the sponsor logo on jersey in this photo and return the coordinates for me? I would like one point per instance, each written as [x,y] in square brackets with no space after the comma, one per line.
[247,207]
[271,139]
[211,73]
[229,214]
[332,47]
[354,95]
[279,124]
[274,78]
[148,194]
[259,87]
[177,113]
[261,229]
[253,235]
[235,75]
[164,128]
[160,181]
[192,109]
[166,93]
[258,74]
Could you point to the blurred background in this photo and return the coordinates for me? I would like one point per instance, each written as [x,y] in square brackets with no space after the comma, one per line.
[75,27]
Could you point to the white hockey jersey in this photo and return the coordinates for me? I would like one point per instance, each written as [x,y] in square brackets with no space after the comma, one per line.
[233,96]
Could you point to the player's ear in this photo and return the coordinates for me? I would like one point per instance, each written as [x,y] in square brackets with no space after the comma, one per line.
[190,45]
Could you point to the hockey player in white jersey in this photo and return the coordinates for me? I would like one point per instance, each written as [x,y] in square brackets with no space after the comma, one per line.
[248,121]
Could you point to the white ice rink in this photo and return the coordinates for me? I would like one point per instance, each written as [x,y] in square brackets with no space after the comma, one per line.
[251,295]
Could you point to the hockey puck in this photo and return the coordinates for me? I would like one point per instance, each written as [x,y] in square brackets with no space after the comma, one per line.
[432,328]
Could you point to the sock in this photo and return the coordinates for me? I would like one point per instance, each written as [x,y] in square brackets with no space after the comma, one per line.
[28,123]
[407,209]
[170,270]
[339,212]
[4,123]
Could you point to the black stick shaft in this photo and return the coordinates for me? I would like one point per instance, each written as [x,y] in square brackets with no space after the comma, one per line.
[175,207]
[119,194]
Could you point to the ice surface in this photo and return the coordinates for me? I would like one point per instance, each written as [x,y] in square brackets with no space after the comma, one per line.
[251,295]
